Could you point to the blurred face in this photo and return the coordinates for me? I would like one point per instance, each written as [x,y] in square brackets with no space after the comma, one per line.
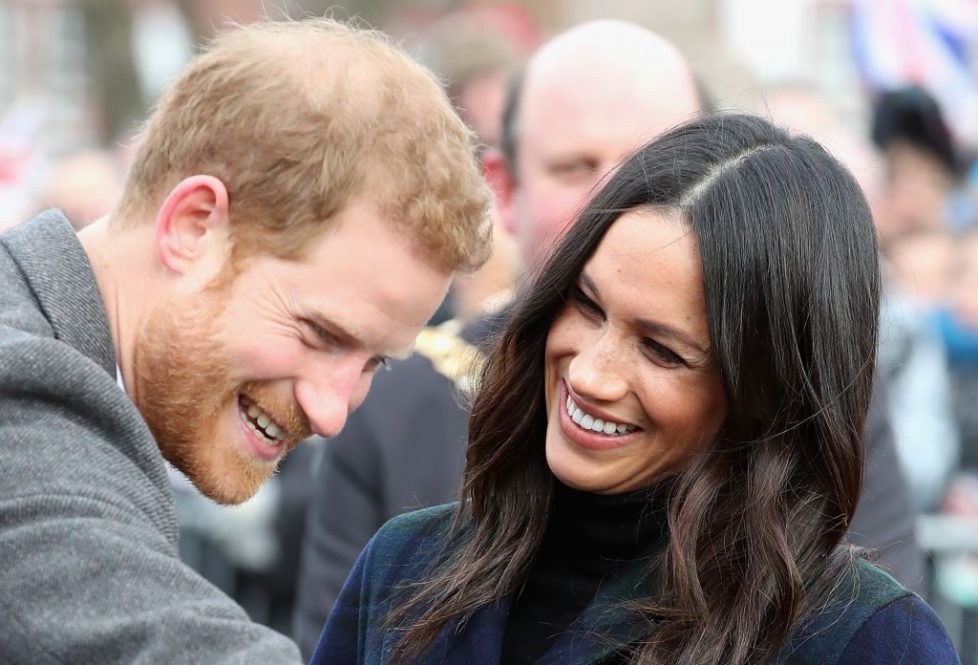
[916,195]
[631,384]
[481,102]
[573,134]
[923,266]
[964,293]
[231,378]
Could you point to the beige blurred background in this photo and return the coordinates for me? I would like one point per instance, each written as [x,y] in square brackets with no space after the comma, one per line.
[78,75]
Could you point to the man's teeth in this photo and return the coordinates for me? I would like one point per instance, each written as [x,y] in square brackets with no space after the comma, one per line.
[271,433]
[587,421]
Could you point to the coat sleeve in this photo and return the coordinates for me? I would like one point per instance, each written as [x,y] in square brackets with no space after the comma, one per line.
[905,631]
[89,568]
[83,583]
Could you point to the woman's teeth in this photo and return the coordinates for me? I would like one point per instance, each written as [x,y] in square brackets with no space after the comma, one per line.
[587,421]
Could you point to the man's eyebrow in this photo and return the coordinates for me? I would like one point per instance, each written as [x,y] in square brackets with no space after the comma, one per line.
[336,328]
[348,335]
[654,327]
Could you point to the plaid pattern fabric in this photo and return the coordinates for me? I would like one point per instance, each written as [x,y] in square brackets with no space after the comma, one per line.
[868,610]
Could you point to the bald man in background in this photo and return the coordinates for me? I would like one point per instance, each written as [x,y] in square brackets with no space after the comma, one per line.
[586,100]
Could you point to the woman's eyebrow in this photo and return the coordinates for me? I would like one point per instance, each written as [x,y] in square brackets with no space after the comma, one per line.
[586,281]
[664,330]
[653,327]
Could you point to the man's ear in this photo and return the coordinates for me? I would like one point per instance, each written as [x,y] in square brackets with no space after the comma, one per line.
[191,222]
[498,173]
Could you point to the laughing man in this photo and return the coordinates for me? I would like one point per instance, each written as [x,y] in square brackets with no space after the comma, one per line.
[297,206]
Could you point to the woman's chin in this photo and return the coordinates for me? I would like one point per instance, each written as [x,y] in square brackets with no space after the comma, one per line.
[569,469]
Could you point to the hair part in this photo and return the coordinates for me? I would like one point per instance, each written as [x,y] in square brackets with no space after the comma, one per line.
[298,118]
[790,268]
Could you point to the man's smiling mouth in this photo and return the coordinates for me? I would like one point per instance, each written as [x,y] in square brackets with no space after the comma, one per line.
[261,423]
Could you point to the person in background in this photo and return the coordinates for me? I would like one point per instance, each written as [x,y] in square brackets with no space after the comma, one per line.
[83,185]
[923,168]
[959,330]
[285,229]
[567,123]
[666,448]
[474,51]
[916,220]
[957,320]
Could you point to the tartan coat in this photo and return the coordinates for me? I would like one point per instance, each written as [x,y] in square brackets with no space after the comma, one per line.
[870,620]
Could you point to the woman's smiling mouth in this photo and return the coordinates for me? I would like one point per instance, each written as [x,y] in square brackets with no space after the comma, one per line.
[592,431]
[589,422]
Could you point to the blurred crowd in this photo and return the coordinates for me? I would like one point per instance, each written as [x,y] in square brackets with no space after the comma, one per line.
[913,157]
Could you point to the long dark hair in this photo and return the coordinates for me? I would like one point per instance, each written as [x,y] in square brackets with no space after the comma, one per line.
[792,287]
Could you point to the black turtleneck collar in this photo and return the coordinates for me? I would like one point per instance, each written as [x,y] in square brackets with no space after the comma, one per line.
[595,533]
[589,538]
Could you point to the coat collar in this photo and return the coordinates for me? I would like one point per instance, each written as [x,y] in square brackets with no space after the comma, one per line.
[57,270]
[602,629]
[606,626]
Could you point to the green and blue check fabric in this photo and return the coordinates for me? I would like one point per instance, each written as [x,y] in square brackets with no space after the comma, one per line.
[870,620]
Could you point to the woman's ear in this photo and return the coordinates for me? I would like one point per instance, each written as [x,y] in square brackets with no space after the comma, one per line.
[192,223]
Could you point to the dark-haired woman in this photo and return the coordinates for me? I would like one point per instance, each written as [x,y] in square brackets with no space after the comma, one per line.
[665,453]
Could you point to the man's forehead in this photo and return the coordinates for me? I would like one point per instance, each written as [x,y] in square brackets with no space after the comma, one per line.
[602,105]
[367,277]
[610,74]
[593,128]
[366,299]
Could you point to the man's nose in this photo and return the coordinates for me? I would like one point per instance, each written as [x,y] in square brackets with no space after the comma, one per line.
[328,397]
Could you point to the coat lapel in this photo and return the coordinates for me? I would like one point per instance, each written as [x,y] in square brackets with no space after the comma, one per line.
[58,271]
[479,642]
[605,626]
[602,629]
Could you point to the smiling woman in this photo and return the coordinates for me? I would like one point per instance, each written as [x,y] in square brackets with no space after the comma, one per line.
[631,352]
[666,450]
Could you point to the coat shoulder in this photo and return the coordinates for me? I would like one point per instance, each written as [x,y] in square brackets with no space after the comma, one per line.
[824,635]
[404,550]
[415,535]
[875,587]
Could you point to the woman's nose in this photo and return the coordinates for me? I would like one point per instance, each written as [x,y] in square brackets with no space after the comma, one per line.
[596,372]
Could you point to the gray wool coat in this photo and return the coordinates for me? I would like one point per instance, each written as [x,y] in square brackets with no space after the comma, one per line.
[89,571]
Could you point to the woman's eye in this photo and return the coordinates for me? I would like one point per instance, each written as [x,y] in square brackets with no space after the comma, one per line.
[585,304]
[662,354]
